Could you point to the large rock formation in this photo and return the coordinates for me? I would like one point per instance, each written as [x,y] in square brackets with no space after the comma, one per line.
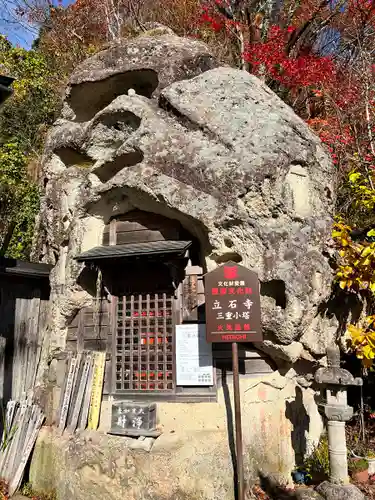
[220,152]
[154,124]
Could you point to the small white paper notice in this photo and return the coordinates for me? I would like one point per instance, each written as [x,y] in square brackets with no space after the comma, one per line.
[193,356]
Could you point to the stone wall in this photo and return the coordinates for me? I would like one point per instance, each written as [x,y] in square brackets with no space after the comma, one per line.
[192,458]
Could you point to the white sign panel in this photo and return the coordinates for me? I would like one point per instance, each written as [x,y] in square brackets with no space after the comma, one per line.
[193,356]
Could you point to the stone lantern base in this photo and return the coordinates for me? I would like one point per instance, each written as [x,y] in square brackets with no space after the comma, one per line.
[331,491]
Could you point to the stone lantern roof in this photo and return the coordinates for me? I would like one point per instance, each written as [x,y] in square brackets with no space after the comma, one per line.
[333,374]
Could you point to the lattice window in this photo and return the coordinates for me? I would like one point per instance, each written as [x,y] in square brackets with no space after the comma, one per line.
[144,343]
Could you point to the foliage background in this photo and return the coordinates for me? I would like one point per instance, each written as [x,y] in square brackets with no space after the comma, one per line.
[317,55]
[24,120]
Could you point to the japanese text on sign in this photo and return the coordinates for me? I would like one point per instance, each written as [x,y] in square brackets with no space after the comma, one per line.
[232,304]
[133,418]
[193,356]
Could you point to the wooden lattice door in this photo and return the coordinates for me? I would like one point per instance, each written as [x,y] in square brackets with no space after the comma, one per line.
[144,343]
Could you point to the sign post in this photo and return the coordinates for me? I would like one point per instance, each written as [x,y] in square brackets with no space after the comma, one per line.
[233,315]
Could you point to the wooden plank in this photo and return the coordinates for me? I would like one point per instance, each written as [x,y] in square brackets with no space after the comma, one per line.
[3,342]
[21,312]
[81,392]
[145,235]
[67,394]
[63,389]
[89,315]
[83,417]
[16,481]
[107,377]
[32,342]
[12,407]
[11,415]
[77,376]
[12,450]
[90,333]
[12,447]
[97,388]
[42,321]
[95,345]
[80,331]
[22,439]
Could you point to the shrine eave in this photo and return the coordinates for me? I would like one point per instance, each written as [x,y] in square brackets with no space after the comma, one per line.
[134,250]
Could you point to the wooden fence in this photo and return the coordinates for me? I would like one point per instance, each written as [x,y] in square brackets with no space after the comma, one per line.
[24,293]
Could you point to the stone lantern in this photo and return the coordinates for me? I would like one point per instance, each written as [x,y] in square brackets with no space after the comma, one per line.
[334,382]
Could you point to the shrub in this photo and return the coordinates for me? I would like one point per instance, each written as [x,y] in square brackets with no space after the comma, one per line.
[317,463]
[358,465]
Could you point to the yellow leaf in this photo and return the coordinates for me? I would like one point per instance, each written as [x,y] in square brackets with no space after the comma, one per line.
[355,331]
[368,352]
[367,251]
[353,177]
[343,284]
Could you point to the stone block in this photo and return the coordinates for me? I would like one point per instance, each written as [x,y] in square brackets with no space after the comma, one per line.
[331,491]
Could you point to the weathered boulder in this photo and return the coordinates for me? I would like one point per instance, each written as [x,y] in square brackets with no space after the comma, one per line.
[227,158]
[307,494]
[146,64]
[331,491]
[149,125]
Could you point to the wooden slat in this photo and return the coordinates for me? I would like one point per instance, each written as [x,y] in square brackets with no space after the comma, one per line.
[97,389]
[11,411]
[32,344]
[80,333]
[89,332]
[17,439]
[84,413]
[165,341]
[67,393]
[158,325]
[19,346]
[132,309]
[107,378]
[7,455]
[17,478]
[76,381]
[81,391]
[42,321]
[146,235]
[3,342]
[95,345]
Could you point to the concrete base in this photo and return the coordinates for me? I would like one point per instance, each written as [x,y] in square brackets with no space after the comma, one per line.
[193,457]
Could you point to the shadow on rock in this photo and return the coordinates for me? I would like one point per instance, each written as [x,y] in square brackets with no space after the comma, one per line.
[277,492]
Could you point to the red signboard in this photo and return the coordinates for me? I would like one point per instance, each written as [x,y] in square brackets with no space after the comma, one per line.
[232,304]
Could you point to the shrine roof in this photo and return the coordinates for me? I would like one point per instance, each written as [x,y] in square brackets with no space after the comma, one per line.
[134,250]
